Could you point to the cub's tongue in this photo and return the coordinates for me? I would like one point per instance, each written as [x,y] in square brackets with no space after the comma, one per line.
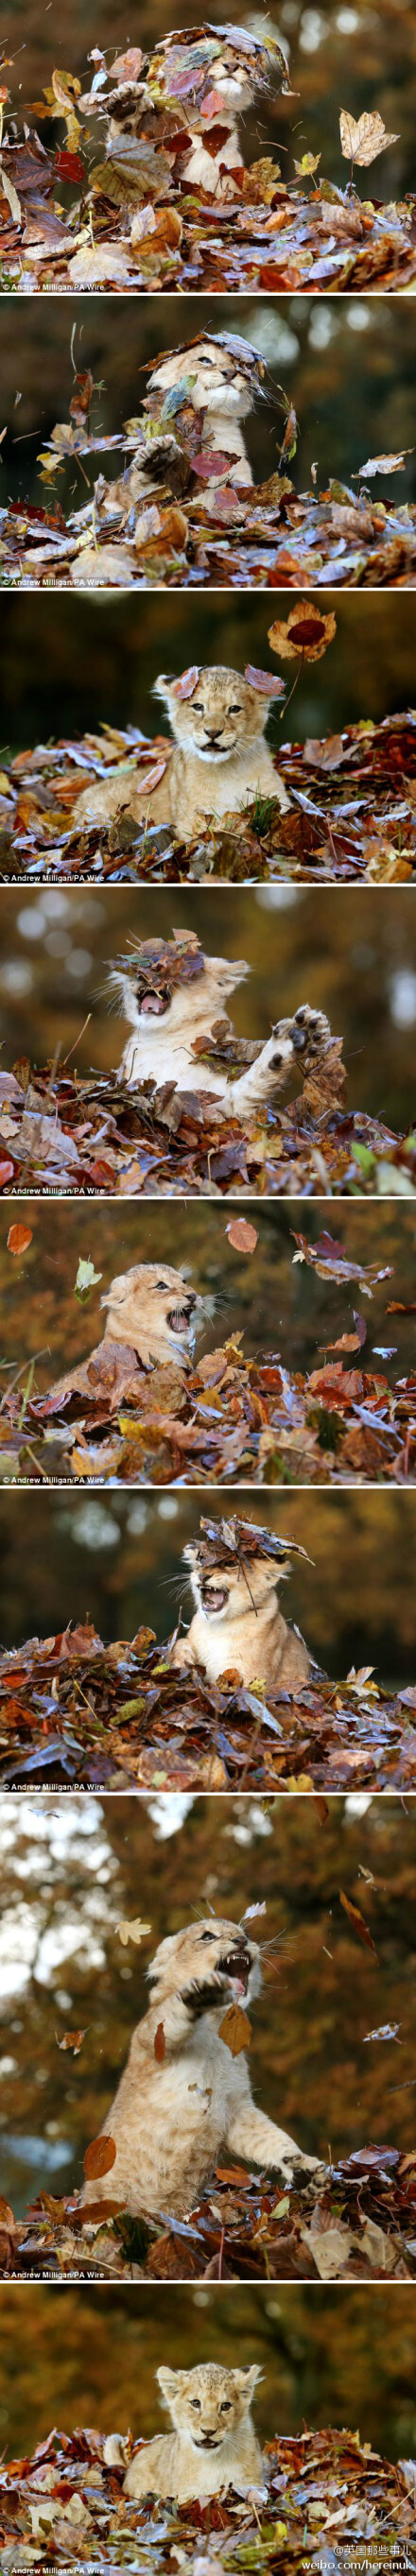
[179,1322]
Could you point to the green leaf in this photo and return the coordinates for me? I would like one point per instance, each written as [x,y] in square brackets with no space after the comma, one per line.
[86,1279]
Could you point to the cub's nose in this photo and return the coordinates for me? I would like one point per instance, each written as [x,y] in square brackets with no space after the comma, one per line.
[214,734]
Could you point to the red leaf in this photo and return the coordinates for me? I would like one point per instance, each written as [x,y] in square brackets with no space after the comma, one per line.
[6,1174]
[99,2156]
[19,1238]
[160,2044]
[265,681]
[184,687]
[242,1236]
[68,165]
[213,105]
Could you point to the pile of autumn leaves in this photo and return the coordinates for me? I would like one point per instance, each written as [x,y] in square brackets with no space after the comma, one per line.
[264,536]
[229,1418]
[351,819]
[325,2487]
[134,222]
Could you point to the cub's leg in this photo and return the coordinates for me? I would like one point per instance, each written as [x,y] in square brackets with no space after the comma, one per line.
[108,797]
[182,1654]
[258,2139]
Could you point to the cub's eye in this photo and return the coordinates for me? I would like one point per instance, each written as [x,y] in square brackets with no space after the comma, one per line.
[235,711]
[198,710]
[196,2403]
[226,2406]
[163,1285]
[207,1936]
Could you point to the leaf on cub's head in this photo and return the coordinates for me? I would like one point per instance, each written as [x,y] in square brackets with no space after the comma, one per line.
[185,687]
[235,2030]
[99,2157]
[266,682]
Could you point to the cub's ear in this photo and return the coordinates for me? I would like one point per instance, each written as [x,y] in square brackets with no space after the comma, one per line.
[248,2378]
[162,687]
[169,2381]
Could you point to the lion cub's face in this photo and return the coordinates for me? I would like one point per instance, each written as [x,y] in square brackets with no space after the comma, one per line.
[227,1594]
[208,2403]
[212,1953]
[223,716]
[185,1010]
[152,1309]
[218,384]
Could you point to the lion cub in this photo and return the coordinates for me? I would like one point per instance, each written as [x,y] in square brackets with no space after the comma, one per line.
[219,763]
[178,2107]
[186,1011]
[151,1311]
[213,2445]
[238,1626]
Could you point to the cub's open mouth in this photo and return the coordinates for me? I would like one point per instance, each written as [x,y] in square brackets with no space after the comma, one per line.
[179,1317]
[213,1600]
[237,1964]
[154,1005]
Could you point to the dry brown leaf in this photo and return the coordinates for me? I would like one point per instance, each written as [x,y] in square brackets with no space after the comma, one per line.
[242,1235]
[99,2157]
[358,1923]
[363,141]
[19,1238]
[160,2044]
[235,2030]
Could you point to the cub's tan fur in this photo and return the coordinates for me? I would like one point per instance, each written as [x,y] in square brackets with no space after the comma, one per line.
[151,1310]
[220,758]
[213,2445]
[238,1626]
[171,2119]
[161,1045]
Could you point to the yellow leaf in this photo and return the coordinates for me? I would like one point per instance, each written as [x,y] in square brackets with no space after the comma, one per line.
[135,1931]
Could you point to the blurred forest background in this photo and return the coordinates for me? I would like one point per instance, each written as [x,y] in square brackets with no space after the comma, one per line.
[347,363]
[339,56]
[68,665]
[349,953]
[338,2356]
[279,1305]
[71,1869]
[119,1561]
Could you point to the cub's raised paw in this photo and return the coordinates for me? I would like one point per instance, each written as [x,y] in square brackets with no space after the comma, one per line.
[310,1032]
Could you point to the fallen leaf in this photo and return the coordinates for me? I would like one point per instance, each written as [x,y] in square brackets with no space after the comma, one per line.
[72,2039]
[160,2044]
[357,1920]
[235,2030]
[242,1235]
[19,1238]
[363,141]
[99,2157]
